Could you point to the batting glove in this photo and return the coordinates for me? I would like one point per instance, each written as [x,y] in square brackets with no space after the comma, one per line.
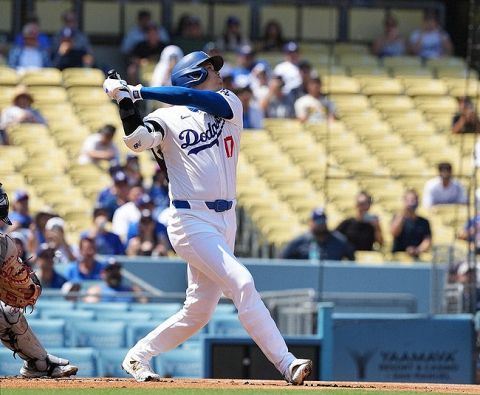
[135,93]
[116,89]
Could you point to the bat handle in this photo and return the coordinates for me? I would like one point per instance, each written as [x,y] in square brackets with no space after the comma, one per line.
[112,74]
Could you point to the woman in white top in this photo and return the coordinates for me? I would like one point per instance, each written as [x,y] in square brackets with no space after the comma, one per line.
[168,59]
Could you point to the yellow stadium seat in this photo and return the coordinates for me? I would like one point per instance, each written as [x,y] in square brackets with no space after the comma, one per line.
[350,48]
[369,257]
[367,71]
[456,72]
[88,96]
[8,76]
[440,104]
[392,103]
[355,59]
[382,86]
[47,76]
[325,70]
[48,94]
[395,61]
[82,77]
[425,88]
[335,84]
[411,71]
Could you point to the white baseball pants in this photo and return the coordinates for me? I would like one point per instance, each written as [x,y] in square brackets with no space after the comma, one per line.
[205,239]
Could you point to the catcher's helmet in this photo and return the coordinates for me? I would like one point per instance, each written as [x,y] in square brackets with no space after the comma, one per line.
[4,205]
[188,72]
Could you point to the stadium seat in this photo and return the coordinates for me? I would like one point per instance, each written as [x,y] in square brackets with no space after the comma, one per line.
[9,366]
[332,84]
[402,61]
[68,315]
[126,316]
[111,360]
[45,304]
[104,306]
[227,324]
[98,334]
[180,363]
[156,308]
[425,87]
[8,76]
[47,76]
[402,72]
[138,330]
[381,86]
[51,333]
[82,77]
[86,359]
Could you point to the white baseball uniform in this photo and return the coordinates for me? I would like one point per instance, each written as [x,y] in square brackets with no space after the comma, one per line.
[201,152]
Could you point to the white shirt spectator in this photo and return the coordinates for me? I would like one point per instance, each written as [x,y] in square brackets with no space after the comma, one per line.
[94,143]
[436,193]
[290,75]
[313,109]
[168,59]
[125,215]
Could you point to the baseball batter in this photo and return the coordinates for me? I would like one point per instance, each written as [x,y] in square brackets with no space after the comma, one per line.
[20,288]
[198,140]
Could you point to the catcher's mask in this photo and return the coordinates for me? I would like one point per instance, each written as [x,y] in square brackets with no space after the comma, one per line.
[4,205]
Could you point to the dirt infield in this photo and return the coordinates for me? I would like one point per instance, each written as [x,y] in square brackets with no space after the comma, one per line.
[214,383]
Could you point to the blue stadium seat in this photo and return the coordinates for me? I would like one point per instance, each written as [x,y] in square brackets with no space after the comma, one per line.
[159,311]
[86,359]
[69,315]
[98,334]
[111,361]
[50,333]
[54,305]
[126,316]
[138,330]
[103,306]
[227,324]
[225,308]
[181,362]
[9,366]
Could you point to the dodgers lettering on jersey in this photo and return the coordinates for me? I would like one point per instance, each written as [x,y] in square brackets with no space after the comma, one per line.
[200,150]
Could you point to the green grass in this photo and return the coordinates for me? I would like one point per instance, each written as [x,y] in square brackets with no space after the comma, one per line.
[202,391]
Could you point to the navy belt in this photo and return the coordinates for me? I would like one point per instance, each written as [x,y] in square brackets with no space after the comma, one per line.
[218,205]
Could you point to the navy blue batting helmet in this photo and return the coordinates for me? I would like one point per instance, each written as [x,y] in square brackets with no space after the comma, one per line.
[188,72]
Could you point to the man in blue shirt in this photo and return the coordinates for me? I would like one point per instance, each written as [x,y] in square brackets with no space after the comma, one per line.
[20,216]
[45,271]
[87,268]
[319,243]
[106,243]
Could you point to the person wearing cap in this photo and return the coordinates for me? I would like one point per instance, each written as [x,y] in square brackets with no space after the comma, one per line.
[132,170]
[314,107]
[129,212]
[319,243]
[169,57]
[29,54]
[232,37]
[246,61]
[87,267]
[158,190]
[148,241]
[411,232]
[276,103]
[55,238]
[115,195]
[67,55]
[44,268]
[79,39]
[306,73]
[443,189]
[21,110]
[99,147]
[106,242]
[20,215]
[288,69]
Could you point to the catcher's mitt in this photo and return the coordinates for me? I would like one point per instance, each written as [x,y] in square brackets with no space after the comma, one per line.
[19,286]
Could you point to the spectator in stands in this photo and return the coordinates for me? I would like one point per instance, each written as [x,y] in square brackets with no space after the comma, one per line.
[314,107]
[145,52]
[288,69]
[363,230]
[466,119]
[55,235]
[21,110]
[106,242]
[111,289]
[245,63]
[306,73]
[189,34]
[390,43]
[44,268]
[148,241]
[277,104]
[21,243]
[99,147]
[260,78]
[471,233]
[29,55]
[132,170]
[443,189]
[37,227]
[212,49]
[252,114]
[114,196]
[162,73]
[44,41]
[87,267]
[411,233]
[137,33]
[67,55]
[159,190]
[79,39]
[430,41]
[128,212]
[232,38]
[272,39]
[319,243]
[20,215]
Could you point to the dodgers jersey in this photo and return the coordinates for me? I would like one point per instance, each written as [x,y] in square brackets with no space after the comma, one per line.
[200,150]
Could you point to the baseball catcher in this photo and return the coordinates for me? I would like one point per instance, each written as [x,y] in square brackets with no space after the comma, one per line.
[19,288]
